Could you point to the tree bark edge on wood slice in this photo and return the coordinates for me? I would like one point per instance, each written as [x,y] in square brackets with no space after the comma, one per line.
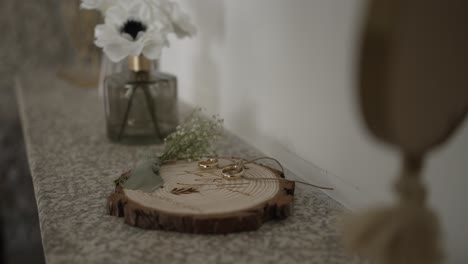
[278,207]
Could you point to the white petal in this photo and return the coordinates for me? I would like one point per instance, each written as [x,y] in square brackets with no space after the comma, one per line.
[126,36]
[105,35]
[181,22]
[135,48]
[101,5]
[185,29]
[113,43]
[152,50]
[154,43]
[116,15]
[89,4]
[143,12]
[128,4]
[106,4]
[116,52]
[156,36]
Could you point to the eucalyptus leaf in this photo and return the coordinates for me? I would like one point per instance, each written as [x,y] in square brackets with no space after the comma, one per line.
[145,176]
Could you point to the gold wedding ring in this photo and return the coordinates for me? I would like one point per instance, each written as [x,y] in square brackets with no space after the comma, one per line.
[208,163]
[232,172]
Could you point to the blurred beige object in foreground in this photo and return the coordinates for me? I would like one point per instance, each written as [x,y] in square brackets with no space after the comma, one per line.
[84,64]
[413,91]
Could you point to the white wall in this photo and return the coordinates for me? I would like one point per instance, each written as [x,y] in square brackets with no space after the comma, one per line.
[282,74]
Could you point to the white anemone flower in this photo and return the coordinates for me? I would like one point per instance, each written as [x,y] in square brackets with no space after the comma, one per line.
[131,29]
[176,20]
[182,25]
[101,5]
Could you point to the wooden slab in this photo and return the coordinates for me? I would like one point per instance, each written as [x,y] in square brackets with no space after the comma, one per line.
[200,201]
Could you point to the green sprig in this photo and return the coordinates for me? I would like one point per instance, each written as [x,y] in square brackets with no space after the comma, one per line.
[194,139]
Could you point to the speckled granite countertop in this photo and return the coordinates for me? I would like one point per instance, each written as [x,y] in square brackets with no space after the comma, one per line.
[73,166]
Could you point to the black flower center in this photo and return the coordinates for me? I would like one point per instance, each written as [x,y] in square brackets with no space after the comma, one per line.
[133,27]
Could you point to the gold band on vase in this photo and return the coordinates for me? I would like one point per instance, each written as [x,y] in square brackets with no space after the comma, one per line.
[138,63]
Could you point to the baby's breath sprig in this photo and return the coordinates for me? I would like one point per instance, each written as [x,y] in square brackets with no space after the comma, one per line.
[193,139]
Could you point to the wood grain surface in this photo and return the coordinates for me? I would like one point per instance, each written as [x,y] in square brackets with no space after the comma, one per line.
[200,201]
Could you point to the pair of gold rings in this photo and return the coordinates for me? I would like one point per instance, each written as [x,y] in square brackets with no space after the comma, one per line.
[231,172]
